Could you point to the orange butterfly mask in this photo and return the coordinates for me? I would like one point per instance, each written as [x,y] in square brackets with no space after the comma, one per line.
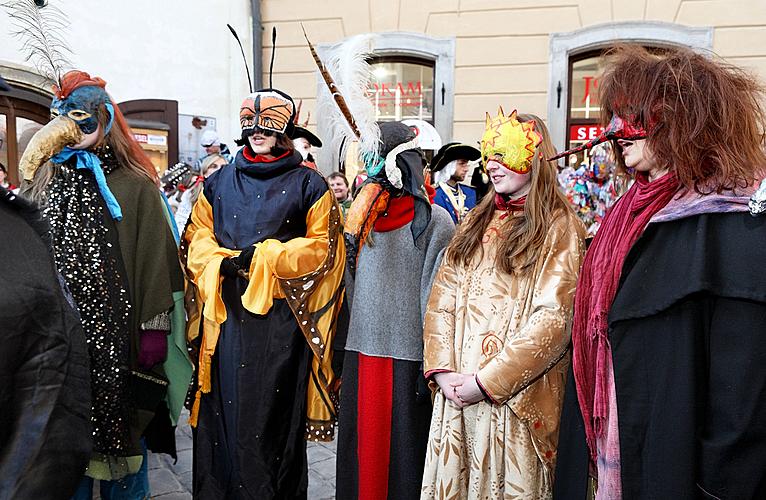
[267,109]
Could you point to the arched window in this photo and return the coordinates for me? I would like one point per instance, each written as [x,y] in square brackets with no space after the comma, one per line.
[574,71]
[22,113]
[402,88]
[400,61]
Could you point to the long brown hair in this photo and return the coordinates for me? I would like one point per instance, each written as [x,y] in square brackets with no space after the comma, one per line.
[520,244]
[705,117]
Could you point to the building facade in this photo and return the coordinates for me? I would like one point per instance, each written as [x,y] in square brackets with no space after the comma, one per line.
[451,61]
[447,62]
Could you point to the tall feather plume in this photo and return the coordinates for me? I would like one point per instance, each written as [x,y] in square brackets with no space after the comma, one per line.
[242,50]
[41,31]
[344,102]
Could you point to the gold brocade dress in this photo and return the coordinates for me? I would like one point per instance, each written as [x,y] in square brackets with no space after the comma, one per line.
[514,333]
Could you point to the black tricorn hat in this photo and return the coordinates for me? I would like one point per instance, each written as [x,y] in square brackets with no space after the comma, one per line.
[306,134]
[453,151]
[4,87]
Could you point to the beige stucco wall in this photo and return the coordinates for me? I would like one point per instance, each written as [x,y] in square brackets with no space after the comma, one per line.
[502,46]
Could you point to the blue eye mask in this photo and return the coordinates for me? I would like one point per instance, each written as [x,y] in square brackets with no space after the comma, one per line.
[82,106]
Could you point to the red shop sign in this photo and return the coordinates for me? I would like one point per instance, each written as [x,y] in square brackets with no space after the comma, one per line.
[584,132]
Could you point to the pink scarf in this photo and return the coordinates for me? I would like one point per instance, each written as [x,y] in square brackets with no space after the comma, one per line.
[596,288]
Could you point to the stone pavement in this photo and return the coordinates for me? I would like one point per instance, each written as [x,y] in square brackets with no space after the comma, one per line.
[173,481]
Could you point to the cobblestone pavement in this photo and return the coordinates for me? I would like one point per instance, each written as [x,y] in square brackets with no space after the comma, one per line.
[173,481]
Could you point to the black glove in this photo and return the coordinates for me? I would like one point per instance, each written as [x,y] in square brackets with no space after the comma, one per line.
[244,259]
[229,267]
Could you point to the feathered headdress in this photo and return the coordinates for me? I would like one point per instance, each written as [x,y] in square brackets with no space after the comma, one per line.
[41,31]
[344,102]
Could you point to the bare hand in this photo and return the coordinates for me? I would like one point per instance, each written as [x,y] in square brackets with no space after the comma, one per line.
[448,382]
[468,392]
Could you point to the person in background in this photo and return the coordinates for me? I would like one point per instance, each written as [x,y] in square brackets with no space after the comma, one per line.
[448,169]
[496,333]
[190,192]
[213,146]
[4,179]
[304,141]
[339,185]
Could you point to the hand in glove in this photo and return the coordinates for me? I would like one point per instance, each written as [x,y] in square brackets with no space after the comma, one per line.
[229,267]
[153,348]
[245,258]
[232,265]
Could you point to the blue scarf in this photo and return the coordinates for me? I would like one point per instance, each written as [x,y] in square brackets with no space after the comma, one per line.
[89,161]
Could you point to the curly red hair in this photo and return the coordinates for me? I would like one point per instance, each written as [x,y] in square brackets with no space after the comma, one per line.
[705,117]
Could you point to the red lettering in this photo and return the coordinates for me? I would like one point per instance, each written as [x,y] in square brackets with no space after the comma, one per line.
[588,88]
[415,89]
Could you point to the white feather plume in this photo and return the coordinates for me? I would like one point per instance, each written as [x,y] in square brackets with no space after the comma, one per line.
[41,31]
[351,72]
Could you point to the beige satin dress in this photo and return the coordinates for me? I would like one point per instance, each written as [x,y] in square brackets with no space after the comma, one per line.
[513,332]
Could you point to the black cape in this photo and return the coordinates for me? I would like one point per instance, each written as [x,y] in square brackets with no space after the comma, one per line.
[688,335]
[45,431]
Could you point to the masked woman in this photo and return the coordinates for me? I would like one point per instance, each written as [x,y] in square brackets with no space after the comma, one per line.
[266,254]
[113,245]
[667,394]
[497,326]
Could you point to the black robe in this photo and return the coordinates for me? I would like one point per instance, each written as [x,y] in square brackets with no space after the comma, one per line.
[249,441]
[688,335]
[45,431]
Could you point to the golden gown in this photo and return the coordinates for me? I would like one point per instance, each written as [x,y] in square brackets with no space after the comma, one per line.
[513,332]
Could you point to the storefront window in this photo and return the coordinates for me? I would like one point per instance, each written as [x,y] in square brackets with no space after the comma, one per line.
[584,106]
[402,89]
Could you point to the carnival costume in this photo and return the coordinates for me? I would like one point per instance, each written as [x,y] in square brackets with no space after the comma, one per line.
[457,200]
[512,331]
[266,254]
[393,238]
[114,247]
[665,396]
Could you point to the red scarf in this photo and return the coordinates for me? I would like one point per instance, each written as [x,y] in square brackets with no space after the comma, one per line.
[252,157]
[399,213]
[596,289]
[509,205]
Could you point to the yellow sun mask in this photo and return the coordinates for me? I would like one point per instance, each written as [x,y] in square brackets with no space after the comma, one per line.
[510,142]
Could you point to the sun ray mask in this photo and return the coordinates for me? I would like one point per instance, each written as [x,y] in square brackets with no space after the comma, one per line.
[509,142]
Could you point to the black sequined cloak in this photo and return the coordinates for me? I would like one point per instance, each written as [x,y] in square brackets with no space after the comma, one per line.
[249,441]
[121,274]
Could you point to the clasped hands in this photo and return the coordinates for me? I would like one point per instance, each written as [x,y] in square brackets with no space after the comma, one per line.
[231,266]
[460,388]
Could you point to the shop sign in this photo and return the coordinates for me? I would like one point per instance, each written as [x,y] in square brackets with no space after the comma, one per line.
[584,132]
[151,139]
[410,93]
